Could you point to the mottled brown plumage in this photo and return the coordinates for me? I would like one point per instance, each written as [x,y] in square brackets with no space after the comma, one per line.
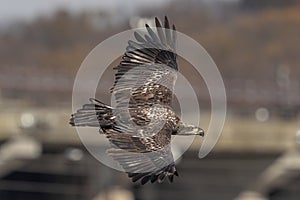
[140,123]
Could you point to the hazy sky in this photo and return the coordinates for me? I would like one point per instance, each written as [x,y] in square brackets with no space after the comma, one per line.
[28,9]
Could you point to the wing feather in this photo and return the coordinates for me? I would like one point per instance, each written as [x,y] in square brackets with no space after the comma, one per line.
[160,31]
[168,31]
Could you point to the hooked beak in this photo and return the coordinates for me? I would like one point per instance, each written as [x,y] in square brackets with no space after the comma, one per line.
[201,132]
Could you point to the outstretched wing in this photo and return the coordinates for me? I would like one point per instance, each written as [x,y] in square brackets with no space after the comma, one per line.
[148,70]
[145,159]
[152,166]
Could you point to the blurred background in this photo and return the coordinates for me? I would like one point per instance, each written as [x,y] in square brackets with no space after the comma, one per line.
[255,44]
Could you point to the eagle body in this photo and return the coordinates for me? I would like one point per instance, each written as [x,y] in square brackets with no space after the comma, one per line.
[141,121]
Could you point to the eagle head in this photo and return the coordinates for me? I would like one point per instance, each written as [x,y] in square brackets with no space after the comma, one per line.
[189,130]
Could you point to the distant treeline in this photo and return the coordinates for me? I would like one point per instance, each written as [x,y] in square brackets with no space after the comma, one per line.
[259,47]
[243,45]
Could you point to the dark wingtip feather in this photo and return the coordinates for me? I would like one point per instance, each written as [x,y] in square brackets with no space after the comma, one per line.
[72,122]
[94,101]
[176,173]
[130,175]
[154,178]
[138,176]
[152,33]
[171,178]
[160,32]
[167,23]
[138,37]
[145,180]
[161,177]
[157,22]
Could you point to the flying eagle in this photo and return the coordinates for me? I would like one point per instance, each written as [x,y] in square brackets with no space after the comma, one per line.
[140,124]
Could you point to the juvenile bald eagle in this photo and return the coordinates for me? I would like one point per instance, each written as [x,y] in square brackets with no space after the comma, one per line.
[140,124]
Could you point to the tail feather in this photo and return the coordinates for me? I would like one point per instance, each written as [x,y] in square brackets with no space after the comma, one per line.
[94,114]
